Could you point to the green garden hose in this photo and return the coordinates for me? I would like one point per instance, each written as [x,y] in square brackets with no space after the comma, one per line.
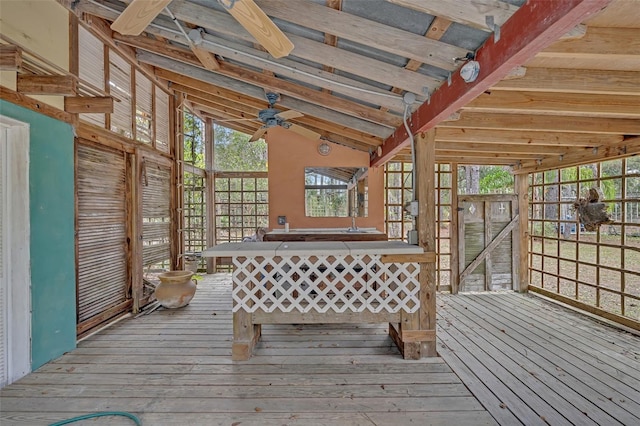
[100,414]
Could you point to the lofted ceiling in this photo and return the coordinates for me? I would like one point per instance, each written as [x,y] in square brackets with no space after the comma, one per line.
[354,60]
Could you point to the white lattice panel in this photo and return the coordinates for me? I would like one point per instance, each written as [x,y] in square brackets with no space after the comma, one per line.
[352,283]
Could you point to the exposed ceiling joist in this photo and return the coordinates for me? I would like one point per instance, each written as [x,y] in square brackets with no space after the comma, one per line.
[364,31]
[530,29]
[517,137]
[466,12]
[567,104]
[574,81]
[544,123]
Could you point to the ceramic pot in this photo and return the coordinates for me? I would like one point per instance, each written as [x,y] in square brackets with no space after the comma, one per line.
[176,289]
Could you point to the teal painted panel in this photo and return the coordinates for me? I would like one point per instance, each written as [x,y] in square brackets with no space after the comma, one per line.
[51,197]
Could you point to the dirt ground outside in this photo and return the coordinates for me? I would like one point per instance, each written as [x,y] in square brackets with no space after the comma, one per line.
[598,275]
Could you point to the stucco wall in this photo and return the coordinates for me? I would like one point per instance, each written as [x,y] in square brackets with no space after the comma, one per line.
[289,154]
[52,241]
[41,26]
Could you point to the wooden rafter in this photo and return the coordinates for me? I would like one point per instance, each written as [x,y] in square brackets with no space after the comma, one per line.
[530,29]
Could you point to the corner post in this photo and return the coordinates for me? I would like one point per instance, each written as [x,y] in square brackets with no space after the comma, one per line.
[522,249]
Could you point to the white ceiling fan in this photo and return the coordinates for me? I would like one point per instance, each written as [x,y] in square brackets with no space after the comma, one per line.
[271,117]
[139,14]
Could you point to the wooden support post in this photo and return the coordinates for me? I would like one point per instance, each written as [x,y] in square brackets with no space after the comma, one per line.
[453,230]
[522,248]
[245,334]
[425,146]
[47,84]
[176,124]
[209,141]
[135,223]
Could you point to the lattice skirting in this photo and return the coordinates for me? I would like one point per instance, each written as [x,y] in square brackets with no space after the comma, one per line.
[352,283]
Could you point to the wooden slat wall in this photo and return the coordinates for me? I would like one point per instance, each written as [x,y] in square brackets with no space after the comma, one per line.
[102,231]
[156,213]
[120,87]
[91,67]
[144,108]
[162,120]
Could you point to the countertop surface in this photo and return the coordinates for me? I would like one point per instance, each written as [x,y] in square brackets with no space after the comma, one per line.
[308,248]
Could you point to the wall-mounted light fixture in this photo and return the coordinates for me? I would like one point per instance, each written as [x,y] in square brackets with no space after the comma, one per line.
[469,71]
[324,148]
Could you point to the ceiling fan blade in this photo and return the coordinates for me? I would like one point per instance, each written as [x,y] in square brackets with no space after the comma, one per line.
[287,115]
[257,23]
[237,119]
[138,15]
[310,134]
[258,134]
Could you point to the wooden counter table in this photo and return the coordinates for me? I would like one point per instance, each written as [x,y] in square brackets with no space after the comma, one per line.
[328,282]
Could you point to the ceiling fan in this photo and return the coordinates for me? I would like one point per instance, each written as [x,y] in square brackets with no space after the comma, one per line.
[271,117]
[139,14]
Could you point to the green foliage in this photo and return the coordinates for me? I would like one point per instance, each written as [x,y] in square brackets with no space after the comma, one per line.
[495,179]
[234,152]
[193,140]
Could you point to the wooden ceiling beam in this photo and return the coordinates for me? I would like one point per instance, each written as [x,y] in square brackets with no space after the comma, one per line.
[544,123]
[471,13]
[530,29]
[249,108]
[626,148]
[567,104]
[574,81]
[364,31]
[611,43]
[506,155]
[482,148]
[284,68]
[518,137]
[296,91]
[333,111]
[221,22]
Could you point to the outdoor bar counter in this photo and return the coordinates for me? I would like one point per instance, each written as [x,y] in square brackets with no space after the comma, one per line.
[329,282]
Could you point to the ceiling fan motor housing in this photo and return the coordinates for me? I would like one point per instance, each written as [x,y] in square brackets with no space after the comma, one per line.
[269,118]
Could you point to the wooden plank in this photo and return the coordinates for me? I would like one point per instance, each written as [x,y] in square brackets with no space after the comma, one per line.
[551,393]
[586,376]
[515,137]
[554,123]
[627,322]
[428,257]
[462,11]
[364,31]
[453,230]
[488,236]
[46,84]
[606,82]
[567,104]
[35,105]
[488,249]
[366,317]
[91,105]
[10,58]
[531,28]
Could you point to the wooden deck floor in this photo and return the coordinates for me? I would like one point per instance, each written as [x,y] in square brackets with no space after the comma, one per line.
[524,360]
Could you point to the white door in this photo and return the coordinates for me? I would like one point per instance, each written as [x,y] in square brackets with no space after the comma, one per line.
[15,281]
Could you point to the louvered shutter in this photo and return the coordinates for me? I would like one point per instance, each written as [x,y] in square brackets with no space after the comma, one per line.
[91,67]
[144,100]
[162,120]
[120,87]
[102,233]
[156,214]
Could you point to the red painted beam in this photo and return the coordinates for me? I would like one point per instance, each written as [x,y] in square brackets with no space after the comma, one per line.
[534,26]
